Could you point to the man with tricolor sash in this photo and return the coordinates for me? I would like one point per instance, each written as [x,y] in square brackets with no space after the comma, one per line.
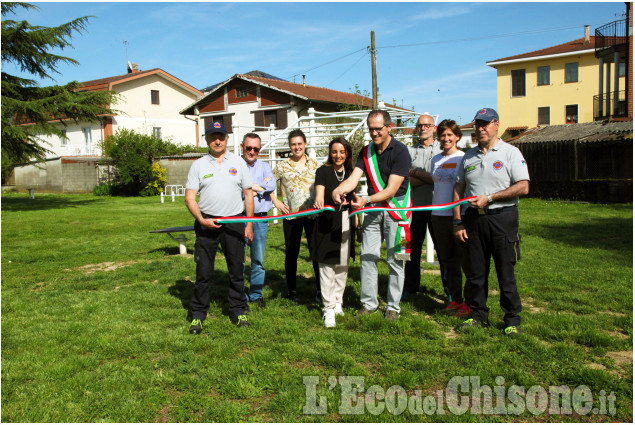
[386,164]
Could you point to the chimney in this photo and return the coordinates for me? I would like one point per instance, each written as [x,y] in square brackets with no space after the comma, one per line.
[587,34]
[304,81]
[133,67]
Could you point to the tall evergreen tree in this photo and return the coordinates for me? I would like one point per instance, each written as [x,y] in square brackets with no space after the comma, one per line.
[28,110]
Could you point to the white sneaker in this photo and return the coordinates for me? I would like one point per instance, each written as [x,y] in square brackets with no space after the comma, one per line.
[329,318]
[338,309]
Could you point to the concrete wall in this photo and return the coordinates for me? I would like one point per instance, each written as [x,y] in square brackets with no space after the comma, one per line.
[79,175]
[177,168]
[61,175]
[45,176]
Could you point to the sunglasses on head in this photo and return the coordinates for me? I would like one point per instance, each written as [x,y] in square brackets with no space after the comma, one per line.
[251,148]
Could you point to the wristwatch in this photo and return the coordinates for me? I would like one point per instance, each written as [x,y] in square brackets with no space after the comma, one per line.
[489,199]
[367,199]
[457,222]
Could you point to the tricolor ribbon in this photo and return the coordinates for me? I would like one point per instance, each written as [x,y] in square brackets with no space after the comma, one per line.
[303,213]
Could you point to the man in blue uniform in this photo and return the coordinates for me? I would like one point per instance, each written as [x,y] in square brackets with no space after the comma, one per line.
[221,179]
[496,173]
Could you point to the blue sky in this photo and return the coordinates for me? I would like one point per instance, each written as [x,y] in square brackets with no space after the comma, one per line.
[430,56]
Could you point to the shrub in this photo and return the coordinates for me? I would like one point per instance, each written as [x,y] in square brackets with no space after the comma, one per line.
[158,177]
[104,189]
[133,155]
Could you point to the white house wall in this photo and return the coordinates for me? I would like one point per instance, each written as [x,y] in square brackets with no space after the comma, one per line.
[138,112]
[75,143]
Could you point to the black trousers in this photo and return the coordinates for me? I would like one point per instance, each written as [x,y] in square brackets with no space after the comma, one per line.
[494,236]
[412,272]
[232,240]
[292,238]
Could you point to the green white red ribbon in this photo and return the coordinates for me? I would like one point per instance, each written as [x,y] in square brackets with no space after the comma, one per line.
[438,207]
[303,213]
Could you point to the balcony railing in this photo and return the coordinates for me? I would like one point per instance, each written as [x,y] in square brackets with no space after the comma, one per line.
[609,35]
[615,109]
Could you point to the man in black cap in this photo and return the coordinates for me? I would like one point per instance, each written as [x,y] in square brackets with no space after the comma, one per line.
[221,178]
[496,173]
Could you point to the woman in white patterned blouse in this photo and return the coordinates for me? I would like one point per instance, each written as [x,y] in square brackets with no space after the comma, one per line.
[297,182]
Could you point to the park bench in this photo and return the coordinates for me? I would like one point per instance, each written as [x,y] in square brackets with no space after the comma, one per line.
[181,239]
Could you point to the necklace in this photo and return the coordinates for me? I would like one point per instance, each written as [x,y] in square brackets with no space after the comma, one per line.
[339,179]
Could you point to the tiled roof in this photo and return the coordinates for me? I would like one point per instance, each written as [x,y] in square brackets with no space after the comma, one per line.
[308,92]
[103,83]
[569,47]
[585,132]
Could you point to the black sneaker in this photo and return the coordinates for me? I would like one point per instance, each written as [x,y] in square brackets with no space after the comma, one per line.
[513,331]
[292,296]
[241,321]
[471,323]
[260,302]
[196,327]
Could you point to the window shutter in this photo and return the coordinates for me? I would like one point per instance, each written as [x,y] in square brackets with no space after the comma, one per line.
[259,119]
[282,118]
[227,120]
[206,122]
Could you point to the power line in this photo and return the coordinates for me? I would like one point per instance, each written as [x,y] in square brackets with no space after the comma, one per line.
[327,63]
[348,69]
[481,38]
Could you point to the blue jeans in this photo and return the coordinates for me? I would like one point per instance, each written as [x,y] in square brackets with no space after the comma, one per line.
[257,255]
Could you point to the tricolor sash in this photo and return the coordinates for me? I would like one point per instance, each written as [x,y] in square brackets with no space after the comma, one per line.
[402,236]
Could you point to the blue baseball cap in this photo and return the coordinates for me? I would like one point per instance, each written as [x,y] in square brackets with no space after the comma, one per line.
[216,127]
[486,114]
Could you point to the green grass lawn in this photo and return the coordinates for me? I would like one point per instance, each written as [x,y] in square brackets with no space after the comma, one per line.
[95,326]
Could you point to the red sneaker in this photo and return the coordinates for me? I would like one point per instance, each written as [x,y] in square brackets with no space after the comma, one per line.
[462,310]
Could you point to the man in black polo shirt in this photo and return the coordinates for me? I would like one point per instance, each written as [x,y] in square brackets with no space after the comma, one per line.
[392,161]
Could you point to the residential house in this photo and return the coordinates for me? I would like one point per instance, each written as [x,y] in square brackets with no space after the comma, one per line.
[614,50]
[255,103]
[149,103]
[553,86]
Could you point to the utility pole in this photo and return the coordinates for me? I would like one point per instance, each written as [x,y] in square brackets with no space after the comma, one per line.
[373,62]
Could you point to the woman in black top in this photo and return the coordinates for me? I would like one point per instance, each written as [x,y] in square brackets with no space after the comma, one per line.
[333,240]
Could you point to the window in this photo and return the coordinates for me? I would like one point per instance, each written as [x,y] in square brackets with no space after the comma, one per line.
[154,97]
[543,115]
[571,112]
[88,139]
[226,120]
[241,91]
[63,138]
[543,75]
[621,69]
[156,132]
[271,117]
[571,72]
[518,82]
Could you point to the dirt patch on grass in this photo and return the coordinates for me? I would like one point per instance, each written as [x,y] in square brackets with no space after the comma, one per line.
[528,305]
[451,334]
[38,287]
[107,266]
[434,272]
[163,415]
[622,358]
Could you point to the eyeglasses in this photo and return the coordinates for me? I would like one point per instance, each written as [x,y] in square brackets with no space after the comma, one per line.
[378,129]
[425,125]
[482,124]
[251,148]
